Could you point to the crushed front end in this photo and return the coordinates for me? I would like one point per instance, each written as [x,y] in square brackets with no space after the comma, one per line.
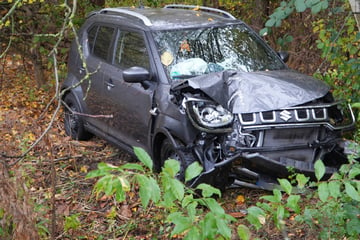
[253,149]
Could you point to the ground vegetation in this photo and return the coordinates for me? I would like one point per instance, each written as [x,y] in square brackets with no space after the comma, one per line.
[45,192]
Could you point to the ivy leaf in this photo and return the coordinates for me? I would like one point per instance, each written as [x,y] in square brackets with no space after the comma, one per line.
[214,206]
[354,172]
[263,32]
[300,5]
[334,189]
[319,169]
[155,190]
[351,191]
[120,186]
[171,167]
[144,157]
[208,190]
[132,166]
[177,188]
[280,212]
[356,105]
[316,8]
[96,173]
[107,184]
[323,191]
[302,180]
[193,171]
[244,232]
[270,22]
[285,185]
[181,223]
[223,228]
[149,190]
[275,198]
[256,216]
[193,233]
[292,202]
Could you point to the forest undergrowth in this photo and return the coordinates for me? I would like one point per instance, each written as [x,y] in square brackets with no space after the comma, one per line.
[40,203]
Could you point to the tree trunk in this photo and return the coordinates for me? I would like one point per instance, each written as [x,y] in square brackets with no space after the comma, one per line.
[262,9]
[215,3]
[355,7]
[36,60]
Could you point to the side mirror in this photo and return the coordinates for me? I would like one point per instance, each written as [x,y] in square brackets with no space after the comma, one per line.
[284,56]
[136,75]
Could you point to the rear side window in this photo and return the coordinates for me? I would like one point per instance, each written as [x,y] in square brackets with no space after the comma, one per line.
[99,39]
[131,51]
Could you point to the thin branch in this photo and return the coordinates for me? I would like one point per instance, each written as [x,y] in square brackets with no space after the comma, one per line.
[10,12]
[10,38]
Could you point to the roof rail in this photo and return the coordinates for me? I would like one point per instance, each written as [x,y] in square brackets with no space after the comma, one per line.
[143,18]
[201,8]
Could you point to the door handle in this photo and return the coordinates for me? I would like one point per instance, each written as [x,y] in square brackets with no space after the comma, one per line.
[110,84]
[81,70]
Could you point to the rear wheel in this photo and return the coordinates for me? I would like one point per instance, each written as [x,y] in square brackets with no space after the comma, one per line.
[168,151]
[74,124]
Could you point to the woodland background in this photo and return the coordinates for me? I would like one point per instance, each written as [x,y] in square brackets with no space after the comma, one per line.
[44,192]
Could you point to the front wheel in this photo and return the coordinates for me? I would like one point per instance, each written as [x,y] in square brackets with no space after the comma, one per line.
[73,122]
[168,151]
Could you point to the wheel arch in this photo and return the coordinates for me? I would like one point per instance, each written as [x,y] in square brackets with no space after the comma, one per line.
[72,86]
[159,138]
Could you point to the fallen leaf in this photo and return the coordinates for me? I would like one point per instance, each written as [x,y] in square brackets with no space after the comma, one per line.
[237,214]
[125,211]
[240,199]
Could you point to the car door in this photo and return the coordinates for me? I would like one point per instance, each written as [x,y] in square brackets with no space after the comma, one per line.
[128,103]
[97,55]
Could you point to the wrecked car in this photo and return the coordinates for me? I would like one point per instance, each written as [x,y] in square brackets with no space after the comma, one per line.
[196,84]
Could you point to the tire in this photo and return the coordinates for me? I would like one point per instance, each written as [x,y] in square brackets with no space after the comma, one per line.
[74,124]
[220,180]
[168,151]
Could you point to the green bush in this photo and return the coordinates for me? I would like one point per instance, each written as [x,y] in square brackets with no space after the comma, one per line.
[183,206]
[331,206]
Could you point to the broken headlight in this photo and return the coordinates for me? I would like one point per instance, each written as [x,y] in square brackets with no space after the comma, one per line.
[207,114]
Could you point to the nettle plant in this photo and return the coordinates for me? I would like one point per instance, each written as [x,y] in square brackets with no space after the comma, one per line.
[183,206]
[335,214]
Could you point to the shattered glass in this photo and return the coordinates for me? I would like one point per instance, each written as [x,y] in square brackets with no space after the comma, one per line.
[229,47]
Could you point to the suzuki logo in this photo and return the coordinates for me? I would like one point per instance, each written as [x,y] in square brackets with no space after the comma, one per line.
[285,115]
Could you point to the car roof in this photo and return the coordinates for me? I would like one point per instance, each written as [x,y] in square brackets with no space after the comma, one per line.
[170,17]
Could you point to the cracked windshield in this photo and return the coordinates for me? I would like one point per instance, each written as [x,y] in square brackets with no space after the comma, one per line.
[194,52]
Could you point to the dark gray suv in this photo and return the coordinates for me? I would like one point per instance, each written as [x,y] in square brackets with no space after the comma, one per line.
[196,84]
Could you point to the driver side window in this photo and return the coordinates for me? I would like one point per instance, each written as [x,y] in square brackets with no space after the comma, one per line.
[131,51]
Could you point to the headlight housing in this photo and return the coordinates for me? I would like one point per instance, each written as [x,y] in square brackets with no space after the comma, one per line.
[208,116]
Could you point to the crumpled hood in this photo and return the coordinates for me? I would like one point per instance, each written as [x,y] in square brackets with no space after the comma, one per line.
[244,92]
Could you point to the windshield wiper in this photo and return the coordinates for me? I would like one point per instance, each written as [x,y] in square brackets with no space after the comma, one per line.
[184,76]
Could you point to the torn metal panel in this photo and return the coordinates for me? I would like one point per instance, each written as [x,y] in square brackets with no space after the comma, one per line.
[243,92]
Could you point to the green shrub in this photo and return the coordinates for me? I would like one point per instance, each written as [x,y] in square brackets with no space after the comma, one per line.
[331,206]
[183,206]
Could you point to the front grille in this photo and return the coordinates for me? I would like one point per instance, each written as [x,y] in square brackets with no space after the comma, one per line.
[334,116]
[284,116]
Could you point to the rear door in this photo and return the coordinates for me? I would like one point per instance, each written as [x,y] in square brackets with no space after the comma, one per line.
[98,54]
[128,103]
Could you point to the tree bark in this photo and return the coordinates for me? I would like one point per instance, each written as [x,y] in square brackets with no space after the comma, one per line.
[262,9]
[37,63]
[355,7]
